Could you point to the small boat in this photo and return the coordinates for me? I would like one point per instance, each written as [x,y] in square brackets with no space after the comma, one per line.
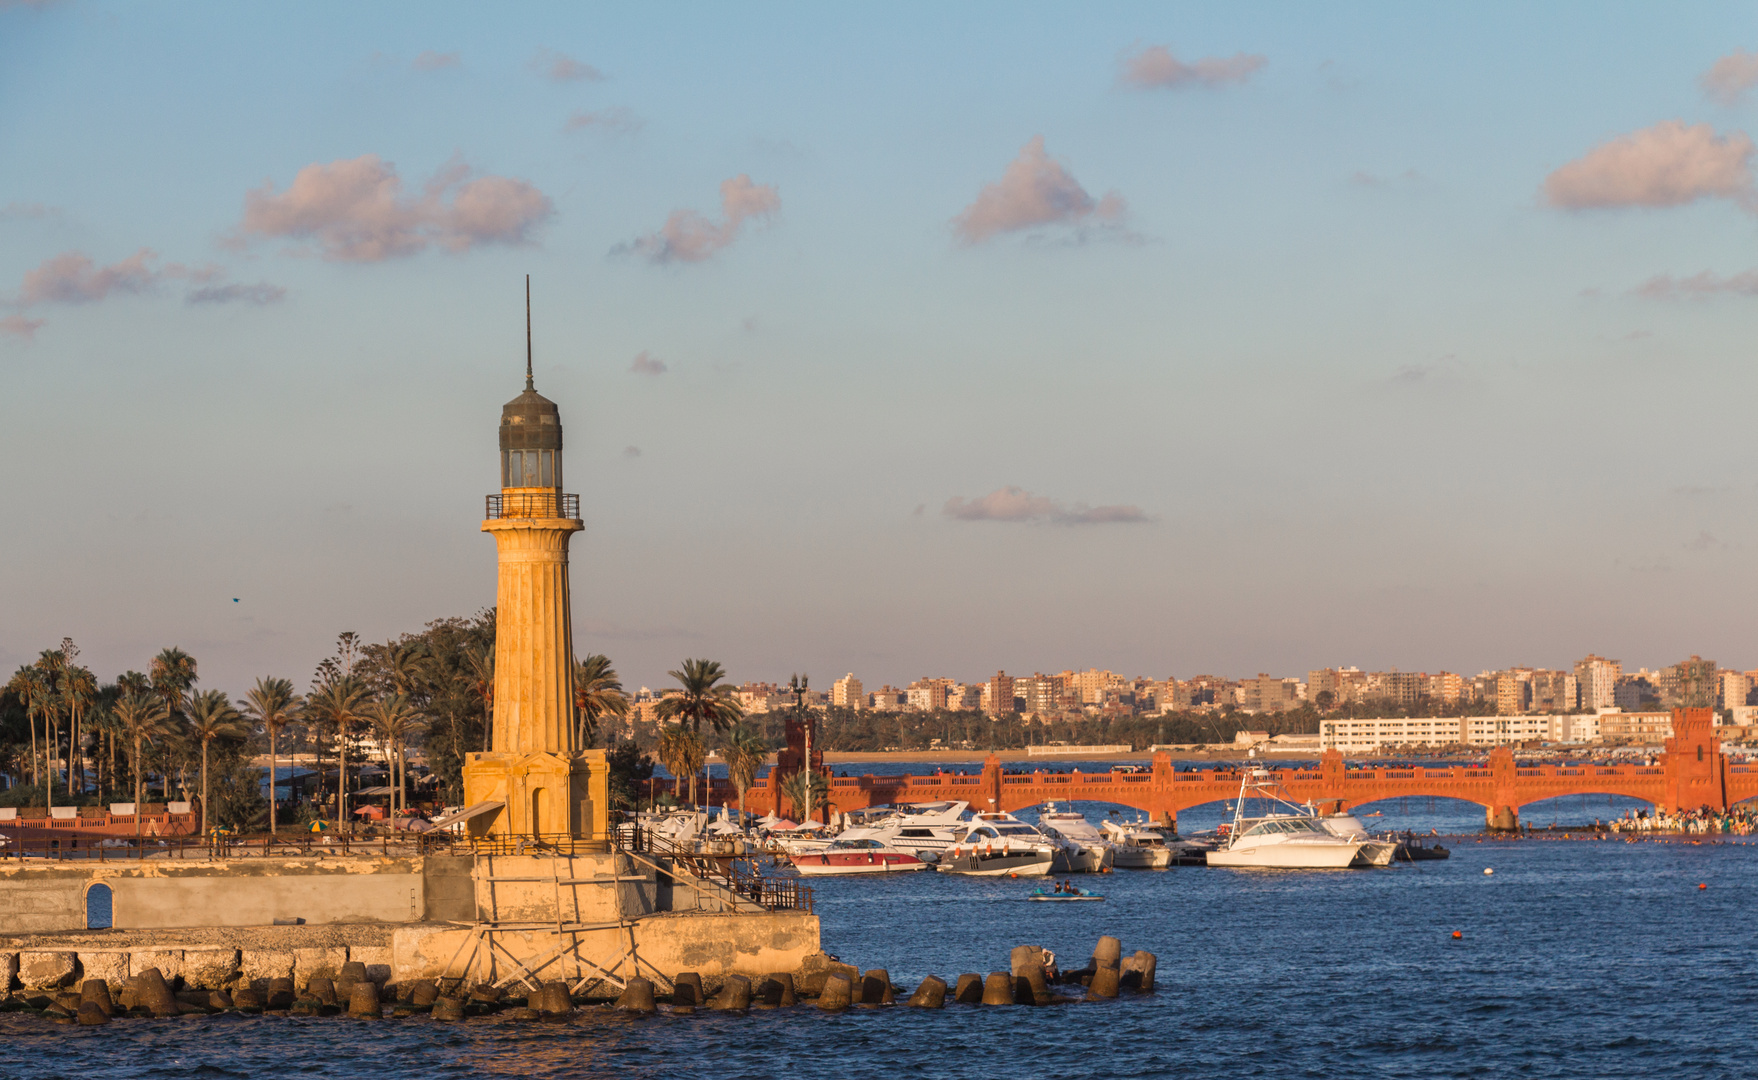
[1068,895]
[1139,846]
[1080,848]
[1373,852]
[856,857]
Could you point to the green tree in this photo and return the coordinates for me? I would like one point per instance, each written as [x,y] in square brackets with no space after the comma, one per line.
[682,752]
[598,693]
[337,703]
[394,719]
[31,687]
[211,716]
[141,718]
[745,754]
[273,704]
[629,768]
[806,790]
[702,699]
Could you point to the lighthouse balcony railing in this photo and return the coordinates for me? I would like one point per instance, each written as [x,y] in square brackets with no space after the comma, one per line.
[533,504]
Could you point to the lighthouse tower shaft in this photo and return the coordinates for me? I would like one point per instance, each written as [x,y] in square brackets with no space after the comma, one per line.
[545,783]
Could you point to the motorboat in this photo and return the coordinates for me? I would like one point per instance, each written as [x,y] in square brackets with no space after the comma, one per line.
[1373,852]
[845,856]
[1061,895]
[1290,840]
[923,830]
[999,845]
[1138,846]
[1080,848]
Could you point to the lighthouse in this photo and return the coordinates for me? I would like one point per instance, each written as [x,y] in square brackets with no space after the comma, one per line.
[547,785]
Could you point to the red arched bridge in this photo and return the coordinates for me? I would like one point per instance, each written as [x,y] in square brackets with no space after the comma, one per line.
[1692,773]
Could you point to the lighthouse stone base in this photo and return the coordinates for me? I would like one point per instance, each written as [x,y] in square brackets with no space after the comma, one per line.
[543,794]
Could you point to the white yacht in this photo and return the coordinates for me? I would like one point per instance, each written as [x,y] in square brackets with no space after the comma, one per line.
[924,830]
[1080,848]
[1294,840]
[999,845]
[1139,846]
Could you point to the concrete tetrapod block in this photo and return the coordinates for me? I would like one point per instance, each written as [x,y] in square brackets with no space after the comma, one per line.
[969,990]
[1138,971]
[168,963]
[219,1000]
[838,993]
[152,993]
[248,999]
[930,994]
[278,994]
[1104,984]
[998,989]
[363,1001]
[735,994]
[90,1015]
[876,988]
[686,990]
[424,994]
[323,989]
[1026,956]
[352,972]
[1107,953]
[637,996]
[775,991]
[553,1001]
[97,992]
[375,961]
[1030,987]
[47,970]
[448,1008]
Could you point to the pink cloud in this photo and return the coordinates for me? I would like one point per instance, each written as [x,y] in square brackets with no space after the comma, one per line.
[258,295]
[559,67]
[1016,504]
[19,326]
[73,278]
[1155,67]
[437,61]
[1668,164]
[687,236]
[1035,190]
[615,121]
[647,365]
[356,211]
[1667,287]
[1728,79]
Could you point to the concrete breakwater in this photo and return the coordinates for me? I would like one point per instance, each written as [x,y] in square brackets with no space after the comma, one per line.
[364,990]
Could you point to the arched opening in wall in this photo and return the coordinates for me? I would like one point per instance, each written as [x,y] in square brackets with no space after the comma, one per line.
[99,908]
[537,797]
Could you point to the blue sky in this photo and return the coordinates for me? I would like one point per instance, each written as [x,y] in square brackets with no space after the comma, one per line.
[1389,350]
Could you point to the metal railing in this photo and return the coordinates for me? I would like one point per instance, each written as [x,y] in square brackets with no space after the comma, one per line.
[533,504]
[769,893]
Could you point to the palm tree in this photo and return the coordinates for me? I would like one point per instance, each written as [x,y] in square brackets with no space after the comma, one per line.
[211,716]
[393,720]
[701,699]
[141,718]
[78,689]
[682,753]
[480,659]
[338,702]
[806,790]
[30,687]
[273,704]
[745,753]
[598,693]
[50,664]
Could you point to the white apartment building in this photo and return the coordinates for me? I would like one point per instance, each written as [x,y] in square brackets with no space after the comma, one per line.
[1365,736]
[846,693]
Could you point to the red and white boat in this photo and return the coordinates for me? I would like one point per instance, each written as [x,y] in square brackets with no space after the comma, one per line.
[856,857]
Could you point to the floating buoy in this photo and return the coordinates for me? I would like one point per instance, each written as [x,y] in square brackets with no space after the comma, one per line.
[1458,933]
[1703,885]
[1488,871]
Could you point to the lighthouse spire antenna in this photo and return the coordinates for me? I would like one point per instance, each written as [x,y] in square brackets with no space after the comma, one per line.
[528,383]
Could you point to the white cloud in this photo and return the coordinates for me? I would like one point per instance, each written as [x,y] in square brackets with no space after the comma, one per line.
[1016,504]
[1728,79]
[258,295]
[614,121]
[19,326]
[559,67]
[437,61]
[1155,67]
[1668,164]
[1667,287]
[355,210]
[687,236]
[1036,190]
[645,364]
